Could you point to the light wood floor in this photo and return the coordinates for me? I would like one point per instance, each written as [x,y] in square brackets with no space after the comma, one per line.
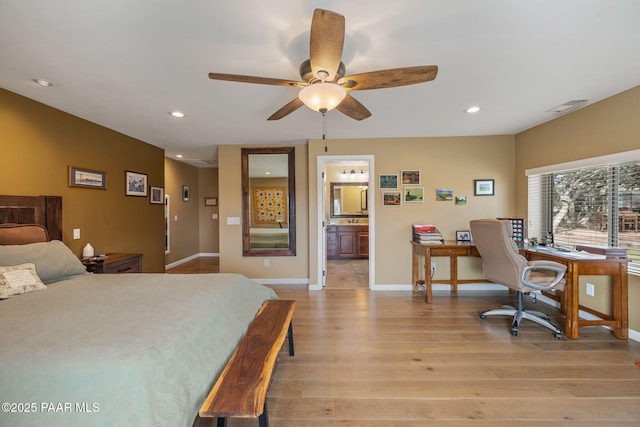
[387,359]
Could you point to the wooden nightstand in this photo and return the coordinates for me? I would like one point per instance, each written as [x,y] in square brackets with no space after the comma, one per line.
[115,264]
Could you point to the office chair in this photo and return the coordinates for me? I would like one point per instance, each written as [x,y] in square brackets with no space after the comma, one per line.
[502,263]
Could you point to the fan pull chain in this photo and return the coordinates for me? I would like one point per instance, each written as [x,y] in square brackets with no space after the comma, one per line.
[324,127]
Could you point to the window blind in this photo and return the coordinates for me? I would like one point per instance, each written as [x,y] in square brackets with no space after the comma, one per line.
[594,202]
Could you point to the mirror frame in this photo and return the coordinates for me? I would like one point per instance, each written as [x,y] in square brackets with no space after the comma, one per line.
[246,207]
[332,185]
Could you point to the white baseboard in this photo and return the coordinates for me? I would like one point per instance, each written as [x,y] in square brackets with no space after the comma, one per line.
[303,282]
[440,287]
[190,258]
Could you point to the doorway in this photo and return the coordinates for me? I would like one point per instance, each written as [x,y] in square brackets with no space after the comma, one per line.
[346,212]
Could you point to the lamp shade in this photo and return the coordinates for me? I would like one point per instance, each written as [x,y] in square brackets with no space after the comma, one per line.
[320,96]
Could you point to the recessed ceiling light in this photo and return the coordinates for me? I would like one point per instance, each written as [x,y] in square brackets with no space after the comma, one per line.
[177,114]
[179,156]
[473,109]
[267,173]
[43,82]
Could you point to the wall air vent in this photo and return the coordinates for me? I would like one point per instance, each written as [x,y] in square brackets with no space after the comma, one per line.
[568,107]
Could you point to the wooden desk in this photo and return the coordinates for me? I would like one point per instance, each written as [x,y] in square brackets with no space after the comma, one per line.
[570,304]
[451,249]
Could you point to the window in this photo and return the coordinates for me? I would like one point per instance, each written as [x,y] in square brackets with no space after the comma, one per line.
[575,201]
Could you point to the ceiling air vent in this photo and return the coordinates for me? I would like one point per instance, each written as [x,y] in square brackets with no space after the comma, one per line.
[568,106]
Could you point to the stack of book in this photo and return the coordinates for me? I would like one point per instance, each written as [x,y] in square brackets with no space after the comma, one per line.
[426,234]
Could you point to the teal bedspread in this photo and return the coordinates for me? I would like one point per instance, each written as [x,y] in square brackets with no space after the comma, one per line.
[120,350]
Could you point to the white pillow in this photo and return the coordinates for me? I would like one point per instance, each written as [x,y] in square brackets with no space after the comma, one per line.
[18,280]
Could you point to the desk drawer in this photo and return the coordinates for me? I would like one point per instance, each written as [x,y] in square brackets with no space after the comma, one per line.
[449,251]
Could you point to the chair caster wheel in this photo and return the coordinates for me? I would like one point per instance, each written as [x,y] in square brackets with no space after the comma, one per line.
[514,332]
[558,335]
[483,316]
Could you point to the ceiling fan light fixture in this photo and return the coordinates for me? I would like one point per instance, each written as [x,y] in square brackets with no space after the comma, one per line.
[319,96]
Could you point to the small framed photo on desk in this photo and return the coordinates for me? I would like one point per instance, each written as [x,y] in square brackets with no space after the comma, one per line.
[463,236]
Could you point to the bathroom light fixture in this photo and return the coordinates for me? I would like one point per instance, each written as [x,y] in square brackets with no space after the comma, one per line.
[322,96]
[43,82]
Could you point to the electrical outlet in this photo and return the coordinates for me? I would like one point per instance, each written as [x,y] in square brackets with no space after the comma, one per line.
[76,234]
[433,268]
[266,262]
[591,289]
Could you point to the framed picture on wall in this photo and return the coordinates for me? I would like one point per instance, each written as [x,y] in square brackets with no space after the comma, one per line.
[87,178]
[483,187]
[136,184]
[156,195]
[391,198]
[414,194]
[410,177]
[388,181]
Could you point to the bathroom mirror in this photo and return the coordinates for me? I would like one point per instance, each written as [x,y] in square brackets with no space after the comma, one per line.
[268,202]
[349,199]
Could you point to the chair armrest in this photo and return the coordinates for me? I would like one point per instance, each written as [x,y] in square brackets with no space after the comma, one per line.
[558,268]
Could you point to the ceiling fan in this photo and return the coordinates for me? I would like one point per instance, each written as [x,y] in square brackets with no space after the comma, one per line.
[324,85]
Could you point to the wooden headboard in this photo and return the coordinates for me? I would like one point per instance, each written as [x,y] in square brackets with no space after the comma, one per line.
[43,210]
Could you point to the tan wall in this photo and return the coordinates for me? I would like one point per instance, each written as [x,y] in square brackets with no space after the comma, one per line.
[607,127]
[451,163]
[231,259]
[184,241]
[38,143]
[209,233]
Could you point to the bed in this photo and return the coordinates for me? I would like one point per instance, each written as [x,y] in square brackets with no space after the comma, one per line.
[113,350]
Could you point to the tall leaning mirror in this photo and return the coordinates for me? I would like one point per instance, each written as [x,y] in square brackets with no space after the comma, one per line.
[268,202]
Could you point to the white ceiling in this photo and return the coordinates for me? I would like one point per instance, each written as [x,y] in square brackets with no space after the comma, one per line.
[125,64]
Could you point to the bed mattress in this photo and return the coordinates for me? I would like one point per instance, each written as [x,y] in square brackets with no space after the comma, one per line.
[120,350]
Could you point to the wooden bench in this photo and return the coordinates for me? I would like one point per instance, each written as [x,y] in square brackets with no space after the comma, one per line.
[241,389]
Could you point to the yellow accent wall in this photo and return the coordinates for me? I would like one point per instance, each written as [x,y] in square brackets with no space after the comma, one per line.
[38,143]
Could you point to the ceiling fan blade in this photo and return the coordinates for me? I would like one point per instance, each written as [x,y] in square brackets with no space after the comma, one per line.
[353,108]
[252,79]
[326,43]
[389,78]
[287,109]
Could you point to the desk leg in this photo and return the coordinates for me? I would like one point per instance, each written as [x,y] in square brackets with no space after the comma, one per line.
[427,277]
[621,304]
[571,294]
[453,274]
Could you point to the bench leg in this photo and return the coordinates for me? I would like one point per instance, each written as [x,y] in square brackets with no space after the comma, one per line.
[222,422]
[263,419]
[290,337]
